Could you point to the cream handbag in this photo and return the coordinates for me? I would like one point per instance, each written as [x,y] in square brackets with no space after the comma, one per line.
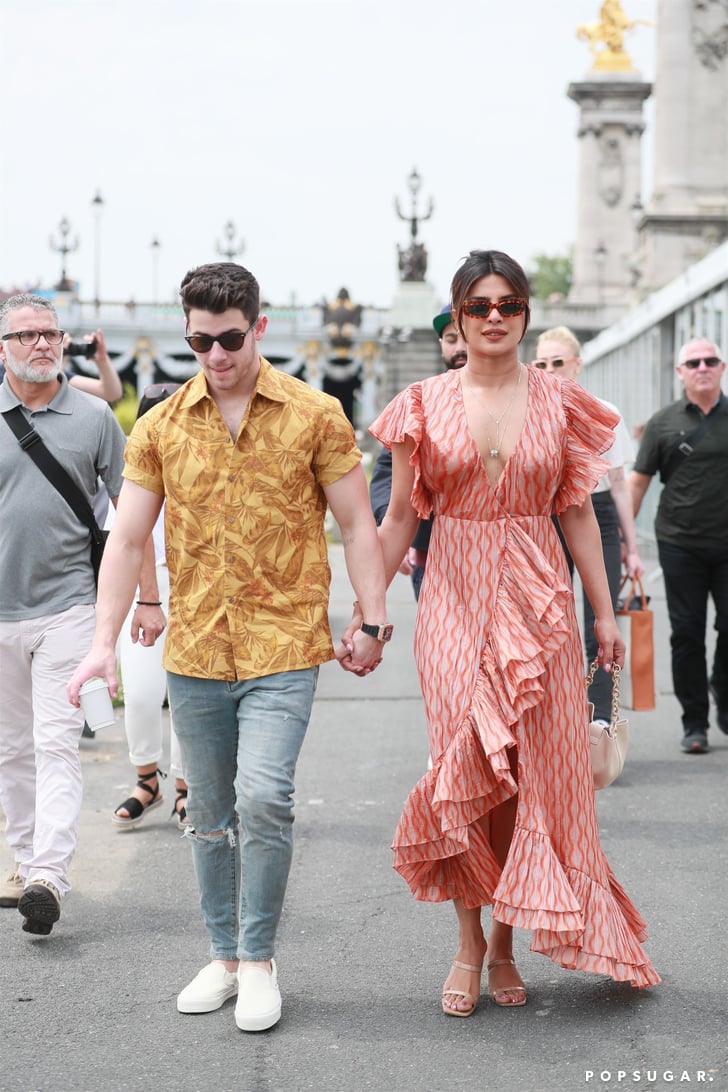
[608,742]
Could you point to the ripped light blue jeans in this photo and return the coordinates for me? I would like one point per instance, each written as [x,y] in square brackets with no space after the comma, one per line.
[240,742]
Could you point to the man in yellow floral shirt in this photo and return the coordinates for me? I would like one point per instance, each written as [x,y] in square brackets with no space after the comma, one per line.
[246,459]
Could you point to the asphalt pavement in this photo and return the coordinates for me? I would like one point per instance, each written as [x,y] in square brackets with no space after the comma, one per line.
[361,964]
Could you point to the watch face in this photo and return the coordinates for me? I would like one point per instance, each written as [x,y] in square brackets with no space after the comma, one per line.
[382,633]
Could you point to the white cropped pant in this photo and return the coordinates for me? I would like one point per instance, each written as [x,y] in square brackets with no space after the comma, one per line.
[145,683]
[40,767]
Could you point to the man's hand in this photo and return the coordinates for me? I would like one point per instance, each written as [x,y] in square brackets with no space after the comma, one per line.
[96,664]
[360,653]
[147,624]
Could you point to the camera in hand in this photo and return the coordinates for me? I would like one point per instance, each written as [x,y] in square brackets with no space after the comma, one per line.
[82,348]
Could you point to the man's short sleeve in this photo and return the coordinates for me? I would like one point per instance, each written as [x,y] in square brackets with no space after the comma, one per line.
[648,456]
[142,461]
[110,459]
[337,451]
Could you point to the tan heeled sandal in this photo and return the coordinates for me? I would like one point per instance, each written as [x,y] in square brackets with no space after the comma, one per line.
[461,993]
[506,989]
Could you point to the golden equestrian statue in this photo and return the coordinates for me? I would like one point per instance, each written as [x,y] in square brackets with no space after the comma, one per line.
[613,22]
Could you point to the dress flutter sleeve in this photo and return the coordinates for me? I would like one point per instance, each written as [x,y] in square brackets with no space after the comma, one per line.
[403,417]
[589,433]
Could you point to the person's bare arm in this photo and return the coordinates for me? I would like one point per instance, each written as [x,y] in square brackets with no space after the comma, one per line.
[581,531]
[136,513]
[638,486]
[348,499]
[622,498]
[399,525]
[108,385]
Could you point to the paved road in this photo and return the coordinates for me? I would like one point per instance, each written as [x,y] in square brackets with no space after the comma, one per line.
[92,1009]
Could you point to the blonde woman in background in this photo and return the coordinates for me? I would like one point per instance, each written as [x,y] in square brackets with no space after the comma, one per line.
[558,352]
[145,686]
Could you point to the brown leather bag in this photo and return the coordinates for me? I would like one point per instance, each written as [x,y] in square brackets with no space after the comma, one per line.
[636,624]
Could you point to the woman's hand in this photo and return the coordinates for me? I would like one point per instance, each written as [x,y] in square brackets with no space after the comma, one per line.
[612,648]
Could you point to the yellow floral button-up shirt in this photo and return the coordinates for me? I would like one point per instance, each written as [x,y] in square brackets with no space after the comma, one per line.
[244,524]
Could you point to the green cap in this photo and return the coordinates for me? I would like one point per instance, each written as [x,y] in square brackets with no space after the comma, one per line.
[442,319]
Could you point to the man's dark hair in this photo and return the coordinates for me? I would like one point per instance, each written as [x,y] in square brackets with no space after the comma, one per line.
[483,263]
[219,286]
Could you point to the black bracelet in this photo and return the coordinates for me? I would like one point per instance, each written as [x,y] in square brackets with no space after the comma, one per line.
[148,603]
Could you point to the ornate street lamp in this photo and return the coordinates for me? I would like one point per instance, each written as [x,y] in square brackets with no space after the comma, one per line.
[64,248]
[231,249]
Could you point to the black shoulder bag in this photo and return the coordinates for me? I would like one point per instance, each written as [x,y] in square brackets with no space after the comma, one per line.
[48,465]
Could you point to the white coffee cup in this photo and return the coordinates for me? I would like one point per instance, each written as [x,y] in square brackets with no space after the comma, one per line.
[96,704]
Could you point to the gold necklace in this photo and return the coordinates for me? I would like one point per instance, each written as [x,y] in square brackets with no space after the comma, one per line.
[494,452]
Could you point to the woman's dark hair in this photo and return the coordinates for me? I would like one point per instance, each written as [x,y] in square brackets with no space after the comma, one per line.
[155,394]
[483,263]
[218,287]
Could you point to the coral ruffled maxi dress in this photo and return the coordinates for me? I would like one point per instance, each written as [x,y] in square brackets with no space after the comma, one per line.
[500,662]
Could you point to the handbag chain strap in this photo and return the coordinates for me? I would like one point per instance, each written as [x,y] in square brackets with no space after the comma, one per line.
[616,675]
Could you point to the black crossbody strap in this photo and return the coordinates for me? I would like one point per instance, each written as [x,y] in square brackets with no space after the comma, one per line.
[48,465]
[687,446]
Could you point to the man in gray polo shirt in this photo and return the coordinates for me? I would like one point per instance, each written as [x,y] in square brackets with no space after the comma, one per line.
[687,443]
[47,597]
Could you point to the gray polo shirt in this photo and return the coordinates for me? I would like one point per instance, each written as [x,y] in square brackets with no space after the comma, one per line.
[45,558]
[692,510]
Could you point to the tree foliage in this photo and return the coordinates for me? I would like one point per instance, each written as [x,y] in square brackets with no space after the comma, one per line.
[551,275]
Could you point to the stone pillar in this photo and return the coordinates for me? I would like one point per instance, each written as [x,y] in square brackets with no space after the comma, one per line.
[687,214]
[610,182]
[413,305]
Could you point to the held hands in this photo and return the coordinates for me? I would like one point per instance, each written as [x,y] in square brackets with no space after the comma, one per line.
[358,652]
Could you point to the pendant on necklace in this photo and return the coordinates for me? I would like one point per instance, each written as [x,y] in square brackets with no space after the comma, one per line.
[494,453]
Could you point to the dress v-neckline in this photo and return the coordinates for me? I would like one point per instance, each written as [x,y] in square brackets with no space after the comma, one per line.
[494,485]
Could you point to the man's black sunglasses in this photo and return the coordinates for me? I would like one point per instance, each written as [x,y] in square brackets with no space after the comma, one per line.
[231,340]
[709,361]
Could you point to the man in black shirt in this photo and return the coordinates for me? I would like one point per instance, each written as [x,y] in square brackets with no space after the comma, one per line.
[687,443]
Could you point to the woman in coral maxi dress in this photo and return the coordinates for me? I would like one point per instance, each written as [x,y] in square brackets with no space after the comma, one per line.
[506,816]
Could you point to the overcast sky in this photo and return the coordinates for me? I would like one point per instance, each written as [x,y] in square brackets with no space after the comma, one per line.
[300,120]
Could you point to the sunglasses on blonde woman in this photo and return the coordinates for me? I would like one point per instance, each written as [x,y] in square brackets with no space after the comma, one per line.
[481,307]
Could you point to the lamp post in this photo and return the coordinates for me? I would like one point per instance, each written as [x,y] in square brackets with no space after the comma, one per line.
[413,259]
[232,249]
[64,248]
[156,246]
[97,204]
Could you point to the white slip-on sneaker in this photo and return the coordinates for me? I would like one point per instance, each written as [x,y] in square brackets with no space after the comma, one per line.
[258,1006]
[209,989]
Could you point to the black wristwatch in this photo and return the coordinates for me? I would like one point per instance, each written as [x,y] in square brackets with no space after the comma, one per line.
[382,633]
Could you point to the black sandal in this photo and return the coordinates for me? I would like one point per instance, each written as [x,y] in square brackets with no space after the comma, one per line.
[136,809]
[179,813]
